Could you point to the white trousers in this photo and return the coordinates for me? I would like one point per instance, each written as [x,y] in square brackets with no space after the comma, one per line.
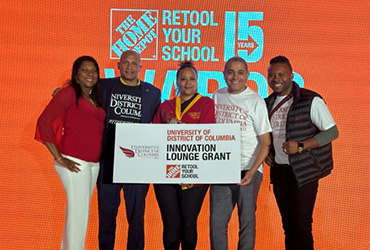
[79,188]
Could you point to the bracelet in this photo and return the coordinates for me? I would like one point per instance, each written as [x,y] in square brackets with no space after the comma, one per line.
[58,158]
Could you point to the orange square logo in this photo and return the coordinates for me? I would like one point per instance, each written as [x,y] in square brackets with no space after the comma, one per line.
[173,171]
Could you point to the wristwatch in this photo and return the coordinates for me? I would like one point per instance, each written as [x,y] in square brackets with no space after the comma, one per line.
[300,147]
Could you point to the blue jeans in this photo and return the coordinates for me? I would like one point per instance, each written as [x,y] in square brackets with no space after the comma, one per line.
[223,200]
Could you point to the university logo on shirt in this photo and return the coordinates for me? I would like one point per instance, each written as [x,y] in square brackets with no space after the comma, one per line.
[134,30]
[194,115]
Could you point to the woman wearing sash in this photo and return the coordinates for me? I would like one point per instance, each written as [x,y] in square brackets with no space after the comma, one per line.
[180,204]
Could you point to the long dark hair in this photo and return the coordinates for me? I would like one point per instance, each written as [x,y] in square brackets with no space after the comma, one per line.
[94,92]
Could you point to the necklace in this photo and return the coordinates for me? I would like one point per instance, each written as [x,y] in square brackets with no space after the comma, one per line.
[88,98]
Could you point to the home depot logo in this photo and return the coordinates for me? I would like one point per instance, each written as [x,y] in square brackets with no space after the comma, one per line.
[173,171]
[134,30]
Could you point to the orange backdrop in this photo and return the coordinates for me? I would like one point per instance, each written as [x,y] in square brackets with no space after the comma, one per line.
[328,43]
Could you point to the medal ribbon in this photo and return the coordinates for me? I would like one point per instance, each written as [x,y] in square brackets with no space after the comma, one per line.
[179,114]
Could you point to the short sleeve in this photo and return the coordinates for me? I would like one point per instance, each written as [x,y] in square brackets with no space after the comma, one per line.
[49,126]
[320,115]
[261,121]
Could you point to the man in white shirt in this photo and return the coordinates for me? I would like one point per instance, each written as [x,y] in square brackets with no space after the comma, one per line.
[237,103]
[302,131]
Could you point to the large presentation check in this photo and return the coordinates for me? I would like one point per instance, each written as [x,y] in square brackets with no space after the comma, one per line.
[177,153]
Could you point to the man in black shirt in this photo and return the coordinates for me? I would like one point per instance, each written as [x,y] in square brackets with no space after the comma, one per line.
[126,99]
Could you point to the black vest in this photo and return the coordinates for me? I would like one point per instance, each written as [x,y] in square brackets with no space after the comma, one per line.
[311,164]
